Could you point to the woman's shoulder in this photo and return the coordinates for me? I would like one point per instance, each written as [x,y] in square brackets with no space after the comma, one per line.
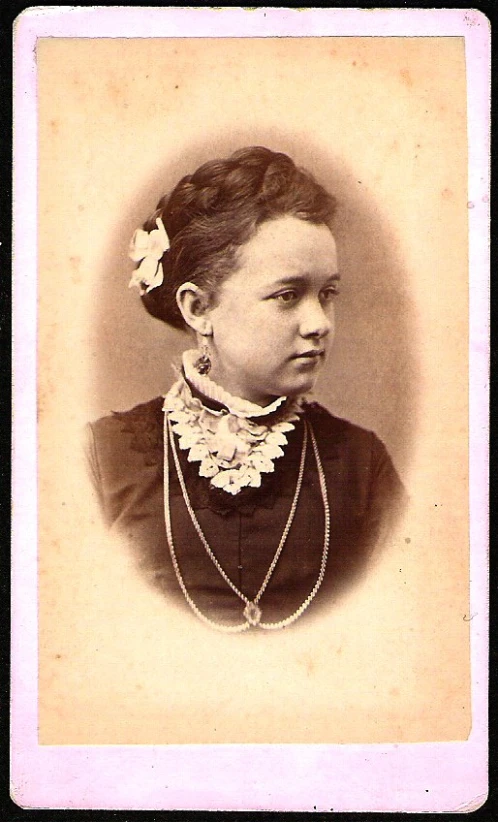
[143,414]
[132,416]
[139,427]
[139,430]
[359,450]
[144,423]
[336,429]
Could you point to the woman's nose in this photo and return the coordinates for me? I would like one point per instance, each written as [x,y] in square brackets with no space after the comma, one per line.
[317,321]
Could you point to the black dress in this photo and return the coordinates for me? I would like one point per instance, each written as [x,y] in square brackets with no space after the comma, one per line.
[364,493]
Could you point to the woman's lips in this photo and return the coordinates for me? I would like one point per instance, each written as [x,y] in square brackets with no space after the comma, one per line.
[309,354]
[309,360]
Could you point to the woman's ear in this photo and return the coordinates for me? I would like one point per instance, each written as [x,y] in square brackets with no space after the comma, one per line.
[194,303]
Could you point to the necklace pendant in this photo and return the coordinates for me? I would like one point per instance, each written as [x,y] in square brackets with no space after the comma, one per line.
[252,613]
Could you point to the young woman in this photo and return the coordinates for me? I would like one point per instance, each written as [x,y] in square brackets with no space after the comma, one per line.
[248,503]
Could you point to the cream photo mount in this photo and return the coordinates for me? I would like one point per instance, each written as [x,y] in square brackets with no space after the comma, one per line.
[357,95]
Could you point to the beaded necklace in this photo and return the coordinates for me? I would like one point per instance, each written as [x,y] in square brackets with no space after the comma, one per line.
[252,612]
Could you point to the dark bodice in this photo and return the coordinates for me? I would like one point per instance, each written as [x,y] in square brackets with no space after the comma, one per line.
[126,458]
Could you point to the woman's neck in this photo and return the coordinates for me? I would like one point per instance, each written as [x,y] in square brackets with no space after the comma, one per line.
[211,388]
[233,387]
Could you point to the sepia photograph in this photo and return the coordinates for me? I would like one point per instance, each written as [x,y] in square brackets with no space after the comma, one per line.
[252,388]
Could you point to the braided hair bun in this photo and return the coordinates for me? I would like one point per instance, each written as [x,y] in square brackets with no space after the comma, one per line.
[218,208]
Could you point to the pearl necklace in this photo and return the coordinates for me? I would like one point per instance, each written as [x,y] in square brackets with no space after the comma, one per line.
[252,612]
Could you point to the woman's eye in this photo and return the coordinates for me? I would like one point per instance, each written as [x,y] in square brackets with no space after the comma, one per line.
[286,296]
[330,292]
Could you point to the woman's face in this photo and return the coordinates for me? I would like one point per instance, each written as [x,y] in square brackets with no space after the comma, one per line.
[274,317]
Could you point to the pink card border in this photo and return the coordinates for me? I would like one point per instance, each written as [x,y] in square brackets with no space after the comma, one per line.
[433,777]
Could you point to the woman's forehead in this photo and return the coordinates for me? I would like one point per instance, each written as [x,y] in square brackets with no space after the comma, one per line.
[292,244]
[288,230]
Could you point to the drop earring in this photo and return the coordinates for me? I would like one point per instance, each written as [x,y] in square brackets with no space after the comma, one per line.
[203,363]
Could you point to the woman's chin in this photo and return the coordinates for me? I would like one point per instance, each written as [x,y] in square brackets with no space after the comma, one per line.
[293,386]
[303,385]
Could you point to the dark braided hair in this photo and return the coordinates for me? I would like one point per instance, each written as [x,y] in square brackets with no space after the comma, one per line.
[214,211]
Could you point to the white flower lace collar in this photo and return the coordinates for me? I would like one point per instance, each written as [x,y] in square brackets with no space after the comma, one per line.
[237,406]
[233,448]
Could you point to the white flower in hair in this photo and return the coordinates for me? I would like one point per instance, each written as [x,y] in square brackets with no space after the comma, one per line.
[147,248]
